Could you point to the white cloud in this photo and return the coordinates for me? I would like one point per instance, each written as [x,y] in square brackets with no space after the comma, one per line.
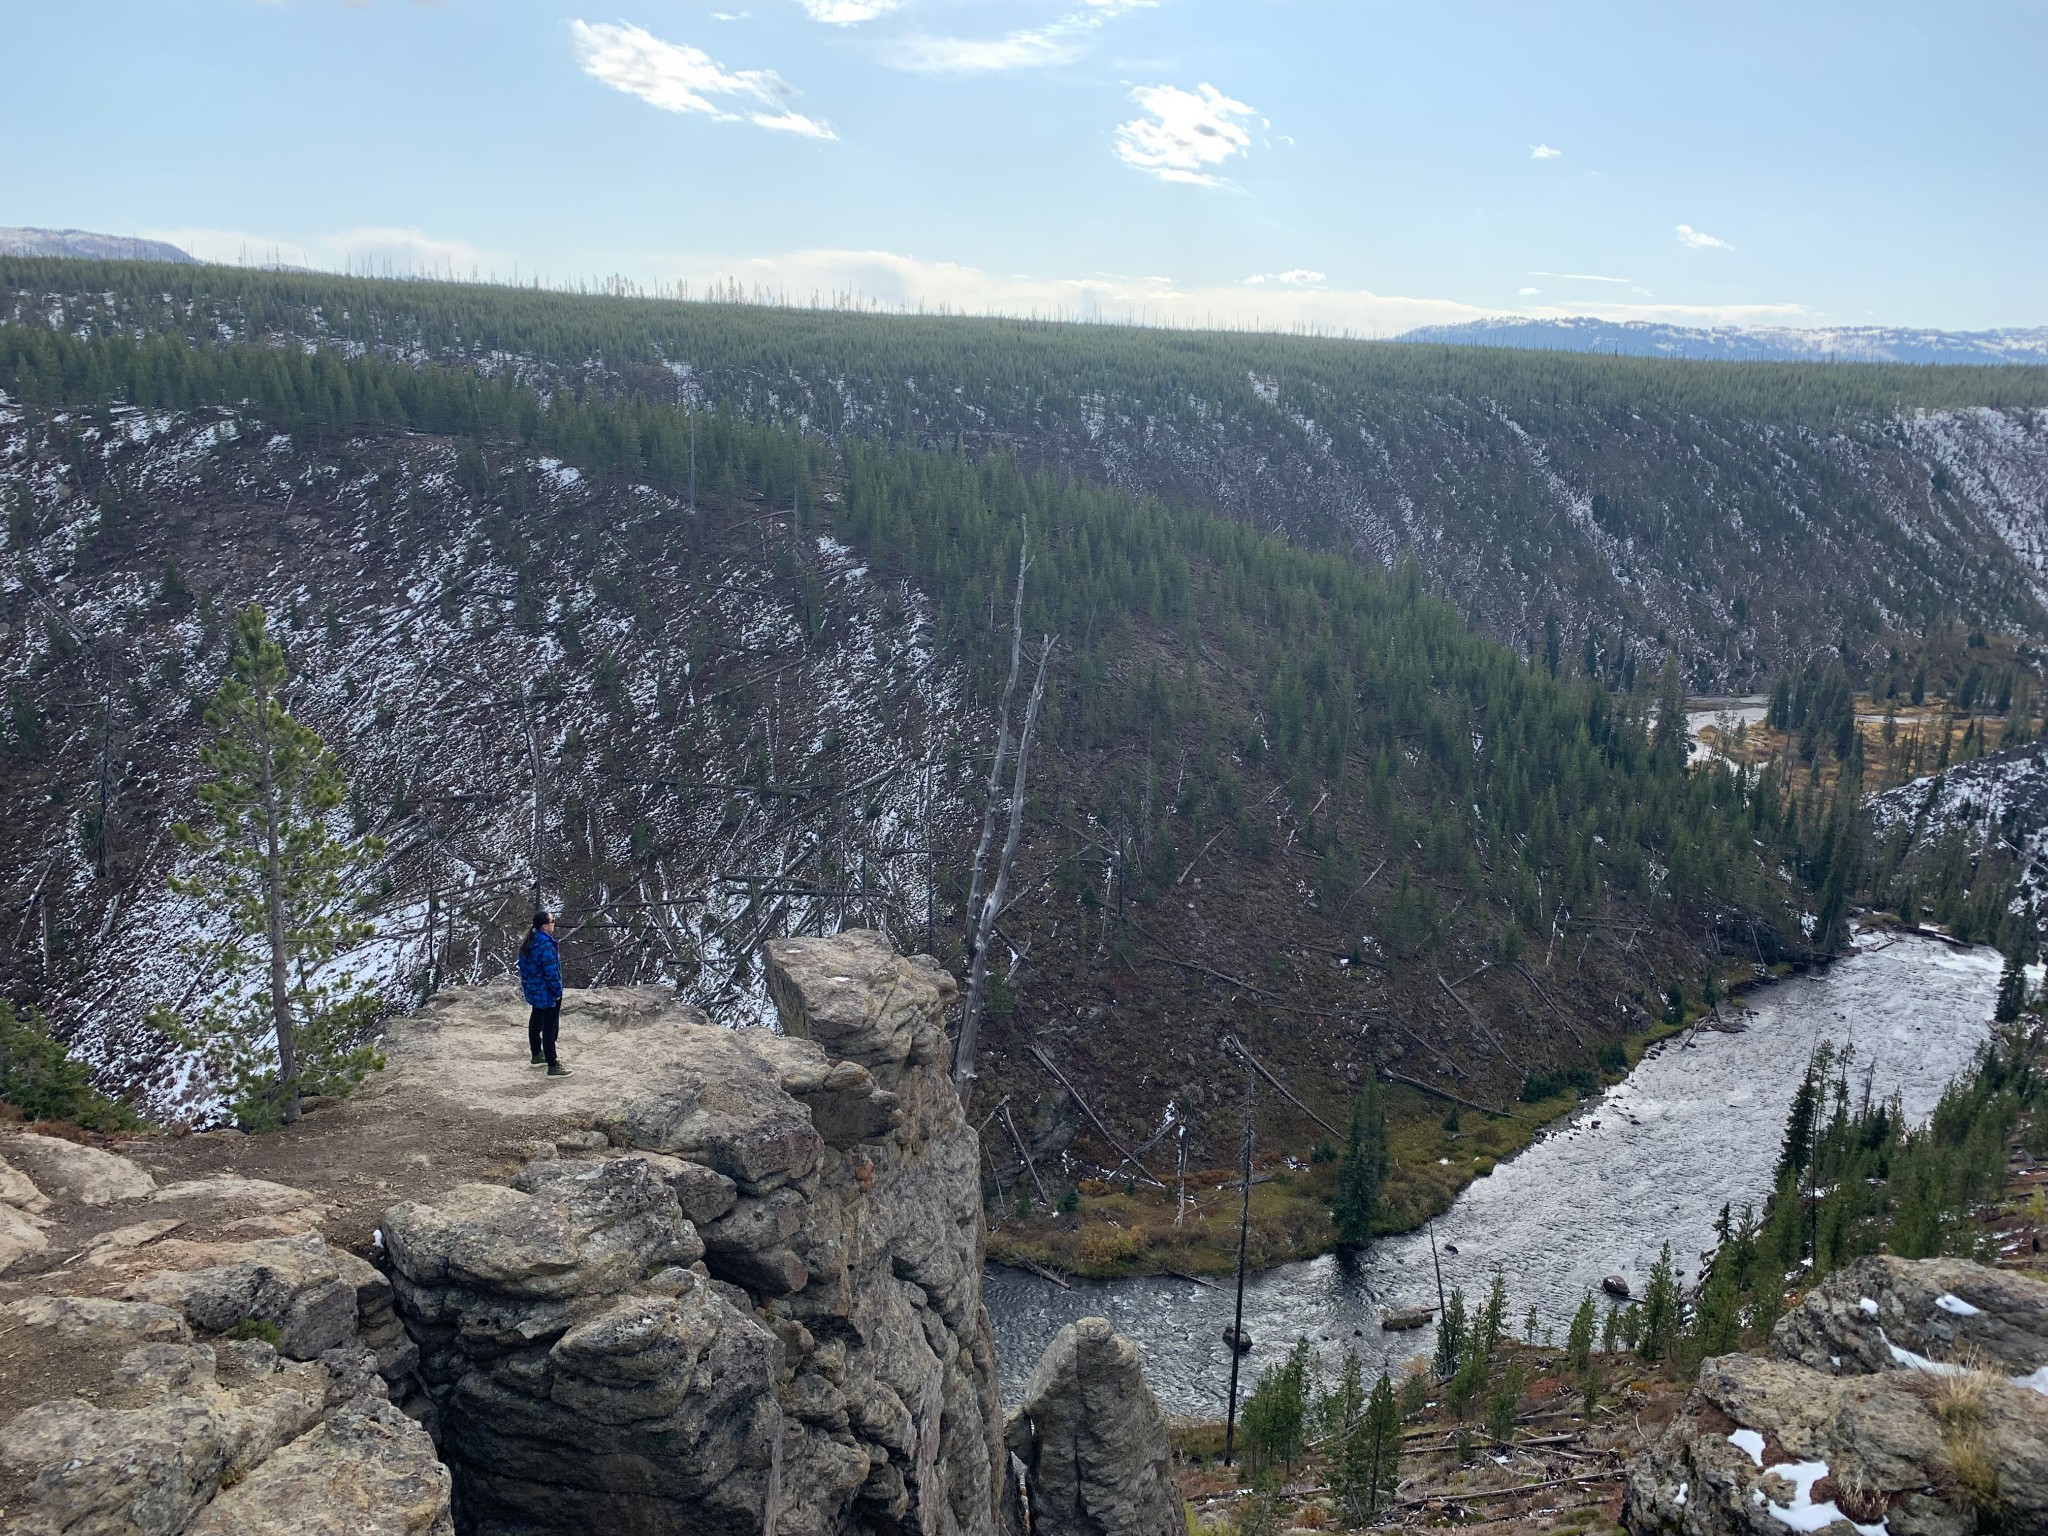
[368,248]
[1033,48]
[1526,292]
[1700,240]
[1297,277]
[730,15]
[1583,277]
[843,13]
[1544,152]
[890,280]
[1186,133]
[678,78]
[1059,41]
[894,281]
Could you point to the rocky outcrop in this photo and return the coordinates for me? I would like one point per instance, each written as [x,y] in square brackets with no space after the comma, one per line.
[229,1384]
[1092,1441]
[185,1418]
[1906,1395]
[754,1306]
[720,1282]
[68,1171]
[1881,1313]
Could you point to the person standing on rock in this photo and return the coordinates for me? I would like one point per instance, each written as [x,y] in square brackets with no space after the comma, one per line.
[540,978]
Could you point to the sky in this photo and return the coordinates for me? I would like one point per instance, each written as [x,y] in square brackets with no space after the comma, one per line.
[1340,165]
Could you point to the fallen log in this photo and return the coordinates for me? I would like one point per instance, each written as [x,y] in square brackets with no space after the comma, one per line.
[1046,1062]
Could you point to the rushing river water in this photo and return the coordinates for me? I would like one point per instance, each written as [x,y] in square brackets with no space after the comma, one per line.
[1696,1125]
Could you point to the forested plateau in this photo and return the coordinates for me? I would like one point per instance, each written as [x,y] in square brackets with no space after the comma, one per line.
[1358,743]
[1606,510]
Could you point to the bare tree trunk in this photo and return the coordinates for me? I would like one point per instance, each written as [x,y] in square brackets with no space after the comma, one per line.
[533,761]
[273,919]
[977,975]
[995,767]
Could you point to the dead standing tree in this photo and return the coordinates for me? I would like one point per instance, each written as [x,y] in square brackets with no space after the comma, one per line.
[982,911]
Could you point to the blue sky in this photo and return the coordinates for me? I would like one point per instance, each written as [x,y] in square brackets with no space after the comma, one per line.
[1331,163]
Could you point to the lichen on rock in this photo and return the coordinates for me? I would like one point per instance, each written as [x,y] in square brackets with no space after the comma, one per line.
[1847,1429]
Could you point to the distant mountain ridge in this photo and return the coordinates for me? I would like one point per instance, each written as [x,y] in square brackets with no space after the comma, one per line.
[1730,343]
[85,245]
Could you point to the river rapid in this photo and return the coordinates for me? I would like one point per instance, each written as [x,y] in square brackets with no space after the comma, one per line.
[1697,1125]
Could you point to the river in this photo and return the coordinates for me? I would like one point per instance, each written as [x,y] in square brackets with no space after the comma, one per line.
[1696,1125]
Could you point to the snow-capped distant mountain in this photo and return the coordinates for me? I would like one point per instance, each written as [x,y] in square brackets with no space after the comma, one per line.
[1846,344]
[84,245]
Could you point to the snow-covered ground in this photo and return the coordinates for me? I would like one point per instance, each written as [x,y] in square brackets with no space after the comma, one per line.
[1999,802]
[718,763]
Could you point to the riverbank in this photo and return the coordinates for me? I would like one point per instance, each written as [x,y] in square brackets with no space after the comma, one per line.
[1697,1125]
[1131,1227]
[1539,1443]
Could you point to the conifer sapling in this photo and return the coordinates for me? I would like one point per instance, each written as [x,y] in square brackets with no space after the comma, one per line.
[276,891]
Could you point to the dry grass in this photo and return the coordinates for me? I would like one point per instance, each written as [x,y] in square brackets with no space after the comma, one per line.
[1959,1398]
[1962,1403]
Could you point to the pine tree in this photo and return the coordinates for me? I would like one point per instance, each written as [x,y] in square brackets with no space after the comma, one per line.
[1340,1407]
[1578,1343]
[266,867]
[1717,1324]
[1799,1127]
[1450,1336]
[2012,992]
[1369,1467]
[1493,1325]
[1276,1413]
[1363,1169]
[1660,1310]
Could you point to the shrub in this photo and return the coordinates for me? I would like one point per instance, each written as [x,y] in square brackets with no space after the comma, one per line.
[1538,1086]
[40,1080]
[1106,1247]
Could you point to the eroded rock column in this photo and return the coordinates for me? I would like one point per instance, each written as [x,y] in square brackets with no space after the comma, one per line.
[757,1309]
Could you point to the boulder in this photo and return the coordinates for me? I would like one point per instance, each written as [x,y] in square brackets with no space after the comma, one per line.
[110,1246]
[129,1322]
[363,1471]
[164,1436]
[298,1284]
[20,1236]
[64,1170]
[1092,1440]
[149,1469]
[859,999]
[1942,1440]
[235,1204]
[1881,1313]
[704,1193]
[19,1190]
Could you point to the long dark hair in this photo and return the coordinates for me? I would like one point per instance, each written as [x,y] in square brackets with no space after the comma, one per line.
[539,919]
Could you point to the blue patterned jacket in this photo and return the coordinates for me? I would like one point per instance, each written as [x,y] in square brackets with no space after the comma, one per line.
[540,971]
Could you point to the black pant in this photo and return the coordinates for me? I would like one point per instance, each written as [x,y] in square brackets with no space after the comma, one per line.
[542,1029]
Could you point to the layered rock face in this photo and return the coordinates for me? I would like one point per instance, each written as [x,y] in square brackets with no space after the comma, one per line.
[755,1308]
[719,1281]
[213,1387]
[1091,1442]
[1908,1396]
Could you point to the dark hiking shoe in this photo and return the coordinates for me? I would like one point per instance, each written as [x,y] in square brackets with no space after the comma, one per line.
[540,1061]
[558,1070]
